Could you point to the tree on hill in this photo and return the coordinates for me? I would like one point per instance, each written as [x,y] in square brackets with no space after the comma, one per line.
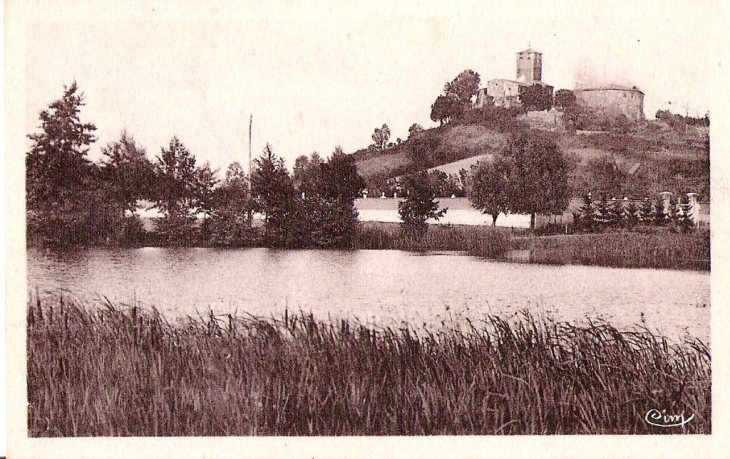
[564,98]
[465,86]
[446,108]
[607,175]
[536,97]
[489,189]
[419,205]
[381,136]
[456,99]
[415,127]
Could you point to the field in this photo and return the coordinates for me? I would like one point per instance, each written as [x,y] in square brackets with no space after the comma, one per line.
[118,371]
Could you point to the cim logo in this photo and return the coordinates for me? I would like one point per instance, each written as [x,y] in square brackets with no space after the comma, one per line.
[662,419]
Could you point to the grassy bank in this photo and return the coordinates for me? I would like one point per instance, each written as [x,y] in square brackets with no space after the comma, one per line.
[113,371]
[482,241]
[621,250]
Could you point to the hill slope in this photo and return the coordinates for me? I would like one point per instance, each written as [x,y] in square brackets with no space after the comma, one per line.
[652,157]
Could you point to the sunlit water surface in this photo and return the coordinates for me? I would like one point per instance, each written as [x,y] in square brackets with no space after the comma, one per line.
[383,288]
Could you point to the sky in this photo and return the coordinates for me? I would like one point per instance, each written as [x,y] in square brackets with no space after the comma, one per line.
[316,75]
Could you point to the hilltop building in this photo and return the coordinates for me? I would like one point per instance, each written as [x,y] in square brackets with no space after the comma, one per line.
[506,93]
[613,99]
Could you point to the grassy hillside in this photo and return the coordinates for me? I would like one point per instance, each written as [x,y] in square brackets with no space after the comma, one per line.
[649,157]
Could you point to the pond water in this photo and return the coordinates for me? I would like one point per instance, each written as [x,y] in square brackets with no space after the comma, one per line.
[385,288]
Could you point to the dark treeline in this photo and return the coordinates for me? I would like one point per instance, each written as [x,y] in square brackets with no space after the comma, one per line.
[71,200]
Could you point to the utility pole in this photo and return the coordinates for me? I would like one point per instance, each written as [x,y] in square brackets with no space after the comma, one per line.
[250,197]
[250,125]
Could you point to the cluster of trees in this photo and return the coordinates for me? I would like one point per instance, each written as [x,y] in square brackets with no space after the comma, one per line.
[616,213]
[529,177]
[313,208]
[441,183]
[457,97]
[71,200]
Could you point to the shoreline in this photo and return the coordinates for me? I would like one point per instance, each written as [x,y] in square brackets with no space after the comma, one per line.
[613,249]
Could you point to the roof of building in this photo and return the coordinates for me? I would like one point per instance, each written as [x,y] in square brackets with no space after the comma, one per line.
[529,50]
[614,87]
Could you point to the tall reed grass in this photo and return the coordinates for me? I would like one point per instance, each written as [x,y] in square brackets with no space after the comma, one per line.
[120,371]
[480,241]
[622,250]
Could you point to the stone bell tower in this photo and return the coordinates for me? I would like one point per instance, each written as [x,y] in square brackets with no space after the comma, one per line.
[529,66]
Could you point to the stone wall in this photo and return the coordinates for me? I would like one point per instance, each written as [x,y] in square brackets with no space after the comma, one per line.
[629,102]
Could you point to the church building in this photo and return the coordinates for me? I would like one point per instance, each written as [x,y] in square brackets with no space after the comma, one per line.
[504,92]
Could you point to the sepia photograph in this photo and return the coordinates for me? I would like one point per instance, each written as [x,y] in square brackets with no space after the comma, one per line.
[377,229]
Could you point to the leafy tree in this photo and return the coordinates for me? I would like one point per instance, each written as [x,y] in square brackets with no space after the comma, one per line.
[274,196]
[306,171]
[126,176]
[415,127]
[127,172]
[444,184]
[446,108]
[381,136]
[63,205]
[464,86]
[230,221]
[328,217]
[490,187]
[564,98]
[176,194]
[334,218]
[606,175]
[536,97]
[539,176]
[205,182]
[419,205]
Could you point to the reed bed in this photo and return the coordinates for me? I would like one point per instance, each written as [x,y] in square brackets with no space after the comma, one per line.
[622,250]
[122,371]
[480,241]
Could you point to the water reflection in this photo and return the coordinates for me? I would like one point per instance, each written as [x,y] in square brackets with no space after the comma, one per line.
[377,287]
